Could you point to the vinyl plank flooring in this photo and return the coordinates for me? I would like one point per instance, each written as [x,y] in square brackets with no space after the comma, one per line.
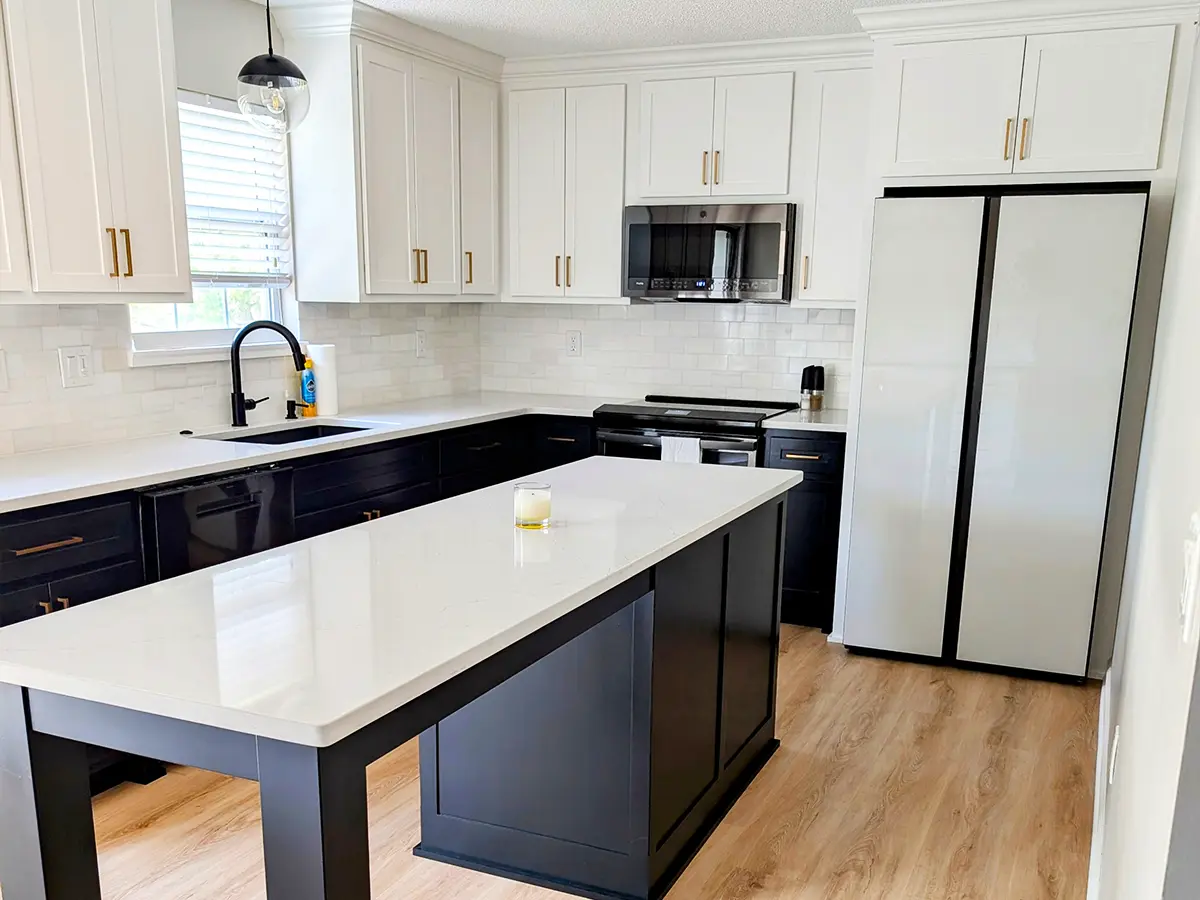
[894,781]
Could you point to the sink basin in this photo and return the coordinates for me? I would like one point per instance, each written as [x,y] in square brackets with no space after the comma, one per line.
[290,435]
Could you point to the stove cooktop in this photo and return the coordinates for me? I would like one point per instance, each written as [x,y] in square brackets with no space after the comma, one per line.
[691,413]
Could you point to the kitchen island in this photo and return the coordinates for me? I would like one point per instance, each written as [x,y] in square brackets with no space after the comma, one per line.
[592,697]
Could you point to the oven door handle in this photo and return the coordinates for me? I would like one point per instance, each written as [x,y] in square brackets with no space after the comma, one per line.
[641,440]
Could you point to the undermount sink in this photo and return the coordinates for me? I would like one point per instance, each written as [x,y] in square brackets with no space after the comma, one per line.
[288,435]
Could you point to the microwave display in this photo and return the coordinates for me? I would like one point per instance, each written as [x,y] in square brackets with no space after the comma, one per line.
[709,253]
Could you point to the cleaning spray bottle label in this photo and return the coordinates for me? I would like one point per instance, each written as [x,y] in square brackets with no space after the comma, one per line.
[308,386]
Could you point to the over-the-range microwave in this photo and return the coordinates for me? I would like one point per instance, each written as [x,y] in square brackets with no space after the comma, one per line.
[721,253]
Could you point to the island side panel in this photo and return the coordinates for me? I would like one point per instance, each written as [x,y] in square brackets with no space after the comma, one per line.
[507,788]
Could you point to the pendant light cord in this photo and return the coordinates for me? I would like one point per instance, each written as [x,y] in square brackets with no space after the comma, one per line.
[270,38]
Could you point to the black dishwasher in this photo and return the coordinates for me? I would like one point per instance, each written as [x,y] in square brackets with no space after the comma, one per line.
[193,526]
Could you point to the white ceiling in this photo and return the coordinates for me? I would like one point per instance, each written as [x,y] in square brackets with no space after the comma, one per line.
[519,28]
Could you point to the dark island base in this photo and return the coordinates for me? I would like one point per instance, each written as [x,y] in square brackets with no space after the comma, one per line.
[735,790]
[602,769]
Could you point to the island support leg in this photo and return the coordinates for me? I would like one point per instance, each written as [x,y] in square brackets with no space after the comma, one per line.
[47,834]
[314,820]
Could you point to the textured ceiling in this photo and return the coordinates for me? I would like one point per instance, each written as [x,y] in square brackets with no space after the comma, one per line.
[518,28]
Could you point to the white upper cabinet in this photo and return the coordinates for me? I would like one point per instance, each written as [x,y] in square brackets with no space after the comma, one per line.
[723,136]
[537,142]
[837,128]
[595,191]
[1089,101]
[676,146]
[14,254]
[435,168]
[949,108]
[566,176]
[1094,100]
[752,134]
[98,131]
[391,258]
[479,130]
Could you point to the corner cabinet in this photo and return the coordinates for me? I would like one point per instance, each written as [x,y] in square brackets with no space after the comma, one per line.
[1075,102]
[14,252]
[385,192]
[728,136]
[566,192]
[98,133]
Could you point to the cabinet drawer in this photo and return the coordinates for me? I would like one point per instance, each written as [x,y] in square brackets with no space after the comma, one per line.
[45,541]
[17,606]
[347,479]
[365,509]
[494,448]
[89,586]
[560,441]
[815,456]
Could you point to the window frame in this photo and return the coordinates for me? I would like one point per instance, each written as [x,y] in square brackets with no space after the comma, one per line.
[161,344]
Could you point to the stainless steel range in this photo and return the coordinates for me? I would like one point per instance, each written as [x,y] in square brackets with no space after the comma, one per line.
[729,432]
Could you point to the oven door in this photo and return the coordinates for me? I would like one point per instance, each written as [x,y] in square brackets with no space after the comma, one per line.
[719,451]
[717,253]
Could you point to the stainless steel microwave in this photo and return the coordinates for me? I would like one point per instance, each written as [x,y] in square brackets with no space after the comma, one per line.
[726,254]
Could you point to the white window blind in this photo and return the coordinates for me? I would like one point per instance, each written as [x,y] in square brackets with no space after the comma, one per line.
[236,187]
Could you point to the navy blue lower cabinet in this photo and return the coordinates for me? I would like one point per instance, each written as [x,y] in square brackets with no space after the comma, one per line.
[601,770]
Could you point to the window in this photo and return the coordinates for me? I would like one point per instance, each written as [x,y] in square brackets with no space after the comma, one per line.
[239,224]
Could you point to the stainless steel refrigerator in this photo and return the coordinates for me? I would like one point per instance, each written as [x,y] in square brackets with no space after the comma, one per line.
[997,331]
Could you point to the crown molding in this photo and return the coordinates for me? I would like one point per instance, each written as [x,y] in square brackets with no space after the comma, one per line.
[349,18]
[778,51]
[1017,16]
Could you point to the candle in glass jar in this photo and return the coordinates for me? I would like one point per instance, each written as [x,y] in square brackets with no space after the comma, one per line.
[531,504]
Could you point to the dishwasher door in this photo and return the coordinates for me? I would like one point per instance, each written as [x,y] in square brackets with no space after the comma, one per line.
[194,526]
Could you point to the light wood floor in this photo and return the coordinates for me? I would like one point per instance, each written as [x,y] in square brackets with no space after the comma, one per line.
[894,781]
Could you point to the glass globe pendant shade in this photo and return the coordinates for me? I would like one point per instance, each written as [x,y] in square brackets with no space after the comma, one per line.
[273,95]
[272,91]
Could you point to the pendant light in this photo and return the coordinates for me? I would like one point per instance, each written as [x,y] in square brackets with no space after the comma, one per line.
[272,91]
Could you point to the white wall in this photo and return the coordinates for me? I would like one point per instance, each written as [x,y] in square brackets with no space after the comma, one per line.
[214,39]
[1154,669]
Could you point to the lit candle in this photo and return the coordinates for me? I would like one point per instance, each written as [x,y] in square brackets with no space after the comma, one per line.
[531,504]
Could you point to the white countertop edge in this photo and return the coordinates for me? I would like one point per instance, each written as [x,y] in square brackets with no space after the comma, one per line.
[259,725]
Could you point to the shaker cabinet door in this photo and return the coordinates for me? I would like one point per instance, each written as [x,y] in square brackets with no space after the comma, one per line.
[141,121]
[536,192]
[676,141]
[390,255]
[595,190]
[14,253]
[950,107]
[479,130]
[752,134]
[1094,101]
[56,72]
[435,170]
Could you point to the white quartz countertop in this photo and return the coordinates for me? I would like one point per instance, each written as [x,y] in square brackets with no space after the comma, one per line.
[309,643]
[806,420]
[52,476]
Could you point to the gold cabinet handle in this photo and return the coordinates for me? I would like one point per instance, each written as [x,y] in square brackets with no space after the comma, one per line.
[54,545]
[47,607]
[704,168]
[116,270]
[425,264]
[717,167]
[376,513]
[568,271]
[804,274]
[417,256]
[1008,124]
[128,253]
[801,456]
[367,515]
[1024,138]
[562,440]
[65,601]
[470,267]
[557,267]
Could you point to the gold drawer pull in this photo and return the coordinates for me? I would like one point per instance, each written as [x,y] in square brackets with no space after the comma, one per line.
[704,168]
[717,167]
[1008,124]
[425,263]
[376,513]
[128,253]
[417,255]
[42,548]
[562,440]
[1024,138]
[470,267]
[801,456]
[116,272]
[47,607]
[557,271]
[368,516]
[65,601]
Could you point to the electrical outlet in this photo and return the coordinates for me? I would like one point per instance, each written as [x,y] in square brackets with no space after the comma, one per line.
[75,366]
[3,372]
[574,343]
[1189,596]
[422,345]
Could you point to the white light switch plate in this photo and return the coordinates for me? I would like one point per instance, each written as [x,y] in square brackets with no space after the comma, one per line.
[574,343]
[422,345]
[75,366]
